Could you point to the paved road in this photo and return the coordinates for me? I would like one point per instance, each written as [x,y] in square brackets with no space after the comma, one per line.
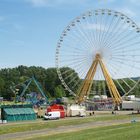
[61,129]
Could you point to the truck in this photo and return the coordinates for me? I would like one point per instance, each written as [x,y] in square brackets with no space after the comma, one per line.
[131,105]
[52,115]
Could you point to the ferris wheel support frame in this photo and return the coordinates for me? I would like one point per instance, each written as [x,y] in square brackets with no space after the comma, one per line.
[86,86]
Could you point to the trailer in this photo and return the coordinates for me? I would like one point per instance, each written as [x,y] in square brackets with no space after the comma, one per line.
[76,110]
[131,105]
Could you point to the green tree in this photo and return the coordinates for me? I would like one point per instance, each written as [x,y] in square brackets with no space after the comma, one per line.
[2,83]
[59,91]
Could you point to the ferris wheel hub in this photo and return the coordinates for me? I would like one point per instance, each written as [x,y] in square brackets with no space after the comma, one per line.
[98,56]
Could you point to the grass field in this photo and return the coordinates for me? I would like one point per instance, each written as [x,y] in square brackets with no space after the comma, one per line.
[27,126]
[118,132]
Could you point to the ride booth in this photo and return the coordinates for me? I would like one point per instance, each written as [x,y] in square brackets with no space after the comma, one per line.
[56,107]
[17,113]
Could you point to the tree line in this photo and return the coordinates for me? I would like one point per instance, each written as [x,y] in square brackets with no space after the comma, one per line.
[11,78]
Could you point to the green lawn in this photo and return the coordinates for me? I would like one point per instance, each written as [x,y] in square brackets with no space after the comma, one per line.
[117,132]
[12,128]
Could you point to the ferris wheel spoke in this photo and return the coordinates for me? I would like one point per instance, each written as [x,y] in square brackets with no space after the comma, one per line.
[75,56]
[122,29]
[127,51]
[65,78]
[126,60]
[128,86]
[123,55]
[110,33]
[98,29]
[80,69]
[92,29]
[128,65]
[132,80]
[120,85]
[123,73]
[120,41]
[72,63]
[75,77]
[73,50]
[65,72]
[107,27]
[125,46]
[78,82]
[116,33]
[115,29]
[108,30]
[75,65]
[74,47]
[72,80]
[86,38]
[78,39]
[131,89]
[114,69]
[104,28]
[89,33]
[124,91]
[73,59]
[121,62]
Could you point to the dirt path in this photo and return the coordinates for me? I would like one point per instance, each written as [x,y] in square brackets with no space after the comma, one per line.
[61,129]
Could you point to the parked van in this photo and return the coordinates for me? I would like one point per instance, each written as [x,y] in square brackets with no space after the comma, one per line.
[52,115]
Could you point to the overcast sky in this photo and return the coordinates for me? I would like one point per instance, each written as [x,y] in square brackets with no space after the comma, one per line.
[30,29]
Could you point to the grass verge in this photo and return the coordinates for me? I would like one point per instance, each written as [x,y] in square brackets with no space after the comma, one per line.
[28,126]
[116,132]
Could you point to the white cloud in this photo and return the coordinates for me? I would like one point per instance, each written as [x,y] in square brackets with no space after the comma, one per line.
[44,3]
[134,1]
[38,3]
[106,1]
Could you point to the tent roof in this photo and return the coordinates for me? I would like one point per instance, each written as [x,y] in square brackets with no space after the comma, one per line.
[16,111]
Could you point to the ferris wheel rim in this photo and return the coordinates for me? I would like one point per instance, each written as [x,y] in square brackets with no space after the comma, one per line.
[72,24]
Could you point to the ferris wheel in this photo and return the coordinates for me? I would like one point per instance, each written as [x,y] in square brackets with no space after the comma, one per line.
[97,47]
